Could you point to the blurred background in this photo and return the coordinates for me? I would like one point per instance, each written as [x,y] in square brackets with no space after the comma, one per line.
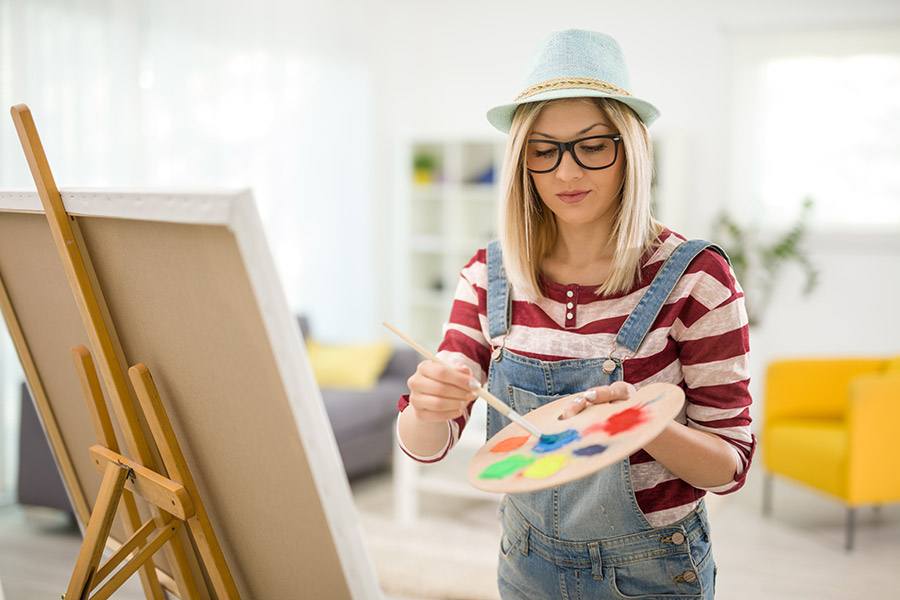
[360,128]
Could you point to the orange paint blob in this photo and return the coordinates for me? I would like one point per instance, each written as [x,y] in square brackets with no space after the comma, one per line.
[510,443]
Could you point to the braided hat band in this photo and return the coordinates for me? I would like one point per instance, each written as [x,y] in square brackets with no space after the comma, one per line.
[564,83]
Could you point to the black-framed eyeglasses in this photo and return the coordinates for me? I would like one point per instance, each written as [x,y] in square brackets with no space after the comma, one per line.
[593,153]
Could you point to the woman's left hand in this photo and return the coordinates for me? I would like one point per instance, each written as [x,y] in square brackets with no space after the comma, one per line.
[619,390]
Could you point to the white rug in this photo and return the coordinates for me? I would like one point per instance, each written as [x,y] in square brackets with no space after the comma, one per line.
[449,553]
[433,559]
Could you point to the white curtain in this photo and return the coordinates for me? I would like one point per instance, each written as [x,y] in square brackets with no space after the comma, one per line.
[274,96]
[269,95]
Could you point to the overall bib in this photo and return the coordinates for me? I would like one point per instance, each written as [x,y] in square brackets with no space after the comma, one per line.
[589,538]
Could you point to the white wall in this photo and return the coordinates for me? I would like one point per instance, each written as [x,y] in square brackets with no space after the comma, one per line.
[440,68]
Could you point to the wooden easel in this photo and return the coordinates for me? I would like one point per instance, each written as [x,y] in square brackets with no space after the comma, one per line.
[157,470]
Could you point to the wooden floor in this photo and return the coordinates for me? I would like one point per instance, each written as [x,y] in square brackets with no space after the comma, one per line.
[796,553]
[38,548]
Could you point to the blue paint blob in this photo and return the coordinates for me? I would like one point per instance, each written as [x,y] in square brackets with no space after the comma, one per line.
[590,450]
[554,441]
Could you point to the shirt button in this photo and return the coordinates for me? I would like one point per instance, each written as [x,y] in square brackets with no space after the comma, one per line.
[570,305]
[677,538]
[570,293]
[689,576]
[569,315]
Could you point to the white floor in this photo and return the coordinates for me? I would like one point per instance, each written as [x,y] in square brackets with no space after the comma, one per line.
[796,553]
[799,552]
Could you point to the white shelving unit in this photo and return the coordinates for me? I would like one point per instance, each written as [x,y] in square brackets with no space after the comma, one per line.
[450,216]
[447,477]
[448,213]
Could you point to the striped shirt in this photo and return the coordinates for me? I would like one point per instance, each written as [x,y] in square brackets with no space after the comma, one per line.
[699,341]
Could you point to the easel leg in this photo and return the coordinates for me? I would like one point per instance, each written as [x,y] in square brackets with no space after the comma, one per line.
[160,537]
[97,531]
[93,396]
[134,542]
[132,520]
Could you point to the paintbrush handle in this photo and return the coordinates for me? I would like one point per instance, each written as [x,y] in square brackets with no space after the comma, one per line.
[488,397]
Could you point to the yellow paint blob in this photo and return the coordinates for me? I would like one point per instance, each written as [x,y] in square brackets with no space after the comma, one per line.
[546,466]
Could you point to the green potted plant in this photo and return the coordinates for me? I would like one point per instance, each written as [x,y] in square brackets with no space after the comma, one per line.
[425,168]
[757,260]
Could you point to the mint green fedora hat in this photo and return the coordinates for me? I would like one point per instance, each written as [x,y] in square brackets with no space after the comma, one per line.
[575,64]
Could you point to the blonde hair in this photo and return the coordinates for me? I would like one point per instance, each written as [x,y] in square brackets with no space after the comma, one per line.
[528,228]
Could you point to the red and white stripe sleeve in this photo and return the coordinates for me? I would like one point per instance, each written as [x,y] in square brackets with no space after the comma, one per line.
[712,334]
[463,344]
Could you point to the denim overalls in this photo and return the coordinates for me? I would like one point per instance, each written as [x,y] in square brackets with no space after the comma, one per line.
[589,538]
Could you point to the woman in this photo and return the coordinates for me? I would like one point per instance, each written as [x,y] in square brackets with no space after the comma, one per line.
[552,309]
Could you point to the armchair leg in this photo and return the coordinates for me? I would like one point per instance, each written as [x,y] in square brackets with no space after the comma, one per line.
[851,525]
[767,495]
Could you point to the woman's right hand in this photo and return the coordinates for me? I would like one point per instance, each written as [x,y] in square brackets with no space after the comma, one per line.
[439,393]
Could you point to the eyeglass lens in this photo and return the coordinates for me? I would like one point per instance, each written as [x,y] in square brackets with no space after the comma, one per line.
[590,153]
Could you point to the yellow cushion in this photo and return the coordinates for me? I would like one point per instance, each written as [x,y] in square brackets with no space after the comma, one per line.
[812,451]
[349,366]
[892,365]
[812,388]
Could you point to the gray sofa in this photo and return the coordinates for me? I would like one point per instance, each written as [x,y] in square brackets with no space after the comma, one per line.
[39,482]
[363,424]
[363,421]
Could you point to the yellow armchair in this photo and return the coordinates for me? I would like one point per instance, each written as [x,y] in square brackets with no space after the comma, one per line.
[834,425]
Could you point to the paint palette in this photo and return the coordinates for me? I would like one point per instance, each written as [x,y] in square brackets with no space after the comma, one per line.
[513,461]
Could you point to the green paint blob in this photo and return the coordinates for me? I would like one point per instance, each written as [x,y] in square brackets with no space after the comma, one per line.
[506,467]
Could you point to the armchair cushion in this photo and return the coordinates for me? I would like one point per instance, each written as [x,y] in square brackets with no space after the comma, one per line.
[813,451]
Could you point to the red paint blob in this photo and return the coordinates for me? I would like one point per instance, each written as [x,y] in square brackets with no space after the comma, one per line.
[595,428]
[625,420]
[510,443]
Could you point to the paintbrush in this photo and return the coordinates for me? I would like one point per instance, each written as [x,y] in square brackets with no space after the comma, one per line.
[491,399]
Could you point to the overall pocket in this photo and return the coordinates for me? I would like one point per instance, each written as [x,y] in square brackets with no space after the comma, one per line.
[523,401]
[667,576]
[509,539]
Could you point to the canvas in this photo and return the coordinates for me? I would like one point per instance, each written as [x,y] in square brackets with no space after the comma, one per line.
[189,289]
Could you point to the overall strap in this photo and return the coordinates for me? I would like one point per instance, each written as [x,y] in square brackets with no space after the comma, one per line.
[644,314]
[498,298]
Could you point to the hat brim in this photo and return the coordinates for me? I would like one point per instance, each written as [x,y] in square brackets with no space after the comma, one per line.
[501,116]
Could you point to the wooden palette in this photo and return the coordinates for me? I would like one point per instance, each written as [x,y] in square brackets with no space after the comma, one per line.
[513,461]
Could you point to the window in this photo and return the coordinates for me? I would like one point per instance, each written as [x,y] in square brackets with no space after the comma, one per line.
[818,115]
